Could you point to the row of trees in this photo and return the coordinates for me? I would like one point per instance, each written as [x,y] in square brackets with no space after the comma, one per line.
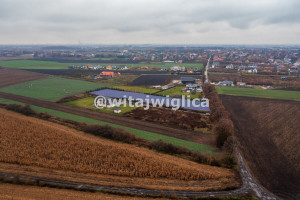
[222,124]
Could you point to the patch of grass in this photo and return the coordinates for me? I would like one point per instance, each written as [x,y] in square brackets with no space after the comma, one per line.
[51,88]
[88,103]
[262,93]
[33,64]
[177,91]
[117,81]
[139,133]
[137,89]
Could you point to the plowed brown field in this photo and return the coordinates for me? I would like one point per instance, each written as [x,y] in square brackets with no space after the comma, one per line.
[11,76]
[269,135]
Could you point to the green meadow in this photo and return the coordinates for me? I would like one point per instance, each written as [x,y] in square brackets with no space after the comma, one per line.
[51,88]
[262,93]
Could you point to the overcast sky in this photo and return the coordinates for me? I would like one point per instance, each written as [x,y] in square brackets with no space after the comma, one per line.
[150,21]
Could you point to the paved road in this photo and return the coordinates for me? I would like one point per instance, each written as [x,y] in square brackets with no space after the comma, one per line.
[206,80]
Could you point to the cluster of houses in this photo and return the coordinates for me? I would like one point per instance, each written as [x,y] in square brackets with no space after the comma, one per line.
[124,67]
[190,85]
[255,68]
[181,69]
[98,67]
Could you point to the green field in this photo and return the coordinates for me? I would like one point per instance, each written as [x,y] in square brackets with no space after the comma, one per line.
[254,92]
[176,91]
[36,64]
[51,88]
[137,89]
[33,64]
[139,133]
[88,103]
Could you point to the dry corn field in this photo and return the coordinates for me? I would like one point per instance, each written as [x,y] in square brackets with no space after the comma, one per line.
[21,192]
[33,142]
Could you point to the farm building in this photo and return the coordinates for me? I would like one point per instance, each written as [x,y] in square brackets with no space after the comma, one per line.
[144,67]
[192,87]
[177,68]
[117,110]
[226,83]
[188,80]
[106,74]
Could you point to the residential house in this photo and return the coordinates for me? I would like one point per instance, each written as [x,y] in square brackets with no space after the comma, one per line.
[252,71]
[196,69]
[108,67]
[230,66]
[252,65]
[241,68]
[144,67]
[123,67]
[294,70]
[226,83]
[241,84]
[280,68]
[190,70]
[178,68]
[215,64]
[114,67]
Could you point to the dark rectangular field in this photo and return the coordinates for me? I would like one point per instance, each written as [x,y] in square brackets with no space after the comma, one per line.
[12,76]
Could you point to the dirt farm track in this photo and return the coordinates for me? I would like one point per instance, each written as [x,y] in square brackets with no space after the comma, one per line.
[268,132]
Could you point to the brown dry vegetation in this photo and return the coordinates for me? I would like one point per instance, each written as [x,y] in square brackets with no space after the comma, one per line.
[21,192]
[12,76]
[268,132]
[184,120]
[33,142]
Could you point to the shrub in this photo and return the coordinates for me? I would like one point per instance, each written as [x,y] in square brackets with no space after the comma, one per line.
[110,133]
[223,129]
[162,146]
[25,110]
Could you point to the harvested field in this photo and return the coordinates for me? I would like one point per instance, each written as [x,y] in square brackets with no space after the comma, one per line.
[268,132]
[261,93]
[11,76]
[47,145]
[22,192]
